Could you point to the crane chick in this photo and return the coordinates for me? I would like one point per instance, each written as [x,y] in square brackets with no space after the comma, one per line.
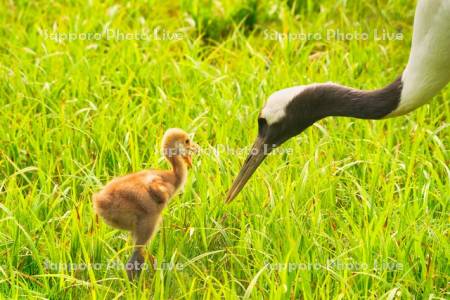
[134,202]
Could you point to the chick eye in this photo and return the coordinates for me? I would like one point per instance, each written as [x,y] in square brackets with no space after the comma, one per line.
[187,141]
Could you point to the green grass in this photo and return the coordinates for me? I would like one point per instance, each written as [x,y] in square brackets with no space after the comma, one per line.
[76,114]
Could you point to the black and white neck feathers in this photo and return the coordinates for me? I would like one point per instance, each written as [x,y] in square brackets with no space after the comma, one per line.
[290,111]
[328,99]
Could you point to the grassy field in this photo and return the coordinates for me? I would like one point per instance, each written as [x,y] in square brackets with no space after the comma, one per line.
[351,209]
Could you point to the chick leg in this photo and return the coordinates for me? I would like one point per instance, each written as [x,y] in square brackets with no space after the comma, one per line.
[141,234]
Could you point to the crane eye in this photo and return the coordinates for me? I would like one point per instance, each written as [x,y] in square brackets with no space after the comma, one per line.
[262,126]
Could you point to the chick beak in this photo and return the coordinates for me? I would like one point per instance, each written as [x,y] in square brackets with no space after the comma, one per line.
[259,151]
[188,160]
[193,148]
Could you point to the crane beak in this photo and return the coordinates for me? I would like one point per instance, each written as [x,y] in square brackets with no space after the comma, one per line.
[259,151]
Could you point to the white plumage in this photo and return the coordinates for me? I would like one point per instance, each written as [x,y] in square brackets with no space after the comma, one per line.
[428,68]
[274,110]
